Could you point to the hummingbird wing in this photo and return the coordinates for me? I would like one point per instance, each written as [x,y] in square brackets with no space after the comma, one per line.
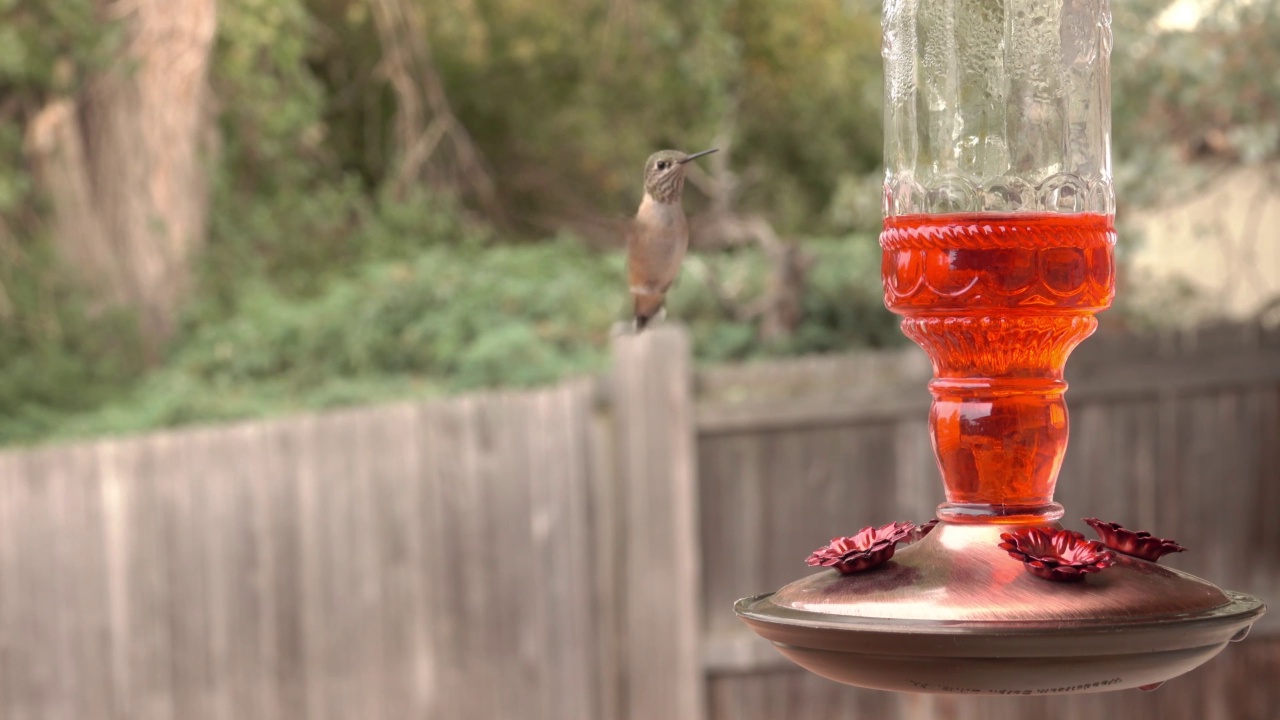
[647,294]
[636,265]
[655,247]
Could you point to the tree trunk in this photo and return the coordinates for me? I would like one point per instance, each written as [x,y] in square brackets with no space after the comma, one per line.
[123,162]
[429,140]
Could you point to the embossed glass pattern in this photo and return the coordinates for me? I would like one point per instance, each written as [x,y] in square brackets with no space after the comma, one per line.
[997,105]
[998,242]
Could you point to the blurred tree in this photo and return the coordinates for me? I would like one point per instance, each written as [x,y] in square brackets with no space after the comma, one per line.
[565,100]
[1190,101]
[120,160]
[354,135]
[429,142]
[1194,103]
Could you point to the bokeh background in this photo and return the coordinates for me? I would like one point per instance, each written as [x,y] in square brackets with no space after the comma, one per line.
[232,217]
[233,208]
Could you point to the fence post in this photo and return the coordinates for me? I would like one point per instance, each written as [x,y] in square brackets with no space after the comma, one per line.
[660,601]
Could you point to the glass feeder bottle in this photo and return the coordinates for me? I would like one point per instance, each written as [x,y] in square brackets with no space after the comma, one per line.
[998,252]
[998,242]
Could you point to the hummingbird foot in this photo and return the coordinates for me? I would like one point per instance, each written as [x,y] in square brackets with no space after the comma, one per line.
[644,321]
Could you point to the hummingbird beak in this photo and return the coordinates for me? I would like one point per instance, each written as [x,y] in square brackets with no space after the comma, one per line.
[695,156]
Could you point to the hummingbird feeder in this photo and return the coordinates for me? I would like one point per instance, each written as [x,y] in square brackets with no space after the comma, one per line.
[998,250]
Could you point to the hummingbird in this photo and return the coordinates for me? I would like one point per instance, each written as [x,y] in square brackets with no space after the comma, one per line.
[659,234]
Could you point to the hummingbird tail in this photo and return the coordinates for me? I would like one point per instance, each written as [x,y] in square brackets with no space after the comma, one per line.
[646,308]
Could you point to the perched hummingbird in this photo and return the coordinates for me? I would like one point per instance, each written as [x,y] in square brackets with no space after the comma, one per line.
[659,235]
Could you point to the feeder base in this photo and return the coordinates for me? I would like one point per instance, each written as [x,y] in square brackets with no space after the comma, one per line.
[953,613]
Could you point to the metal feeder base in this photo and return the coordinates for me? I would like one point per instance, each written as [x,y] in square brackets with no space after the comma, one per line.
[953,613]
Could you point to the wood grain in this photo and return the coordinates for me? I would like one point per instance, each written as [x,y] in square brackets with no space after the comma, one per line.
[573,552]
[660,621]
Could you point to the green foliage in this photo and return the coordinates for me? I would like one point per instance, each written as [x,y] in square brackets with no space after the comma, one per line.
[56,360]
[843,305]
[463,317]
[568,98]
[319,288]
[1206,94]
[271,106]
[49,47]
[46,50]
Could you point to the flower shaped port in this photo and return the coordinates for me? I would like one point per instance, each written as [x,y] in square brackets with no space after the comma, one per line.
[1139,544]
[870,548]
[1058,555]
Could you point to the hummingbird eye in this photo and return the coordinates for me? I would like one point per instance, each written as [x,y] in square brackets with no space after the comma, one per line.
[663,165]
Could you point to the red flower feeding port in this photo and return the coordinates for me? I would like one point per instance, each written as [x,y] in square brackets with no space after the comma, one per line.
[1140,544]
[1059,555]
[870,548]
[998,251]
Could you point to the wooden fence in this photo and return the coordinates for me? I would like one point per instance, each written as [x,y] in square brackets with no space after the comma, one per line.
[574,552]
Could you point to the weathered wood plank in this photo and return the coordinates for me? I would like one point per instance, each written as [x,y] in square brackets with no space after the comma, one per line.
[364,594]
[732,505]
[581,613]
[432,677]
[1136,381]
[286,673]
[151,644]
[608,561]
[810,413]
[1266,482]
[66,553]
[797,696]
[341,597]
[850,378]
[558,468]
[186,472]
[215,526]
[519,619]
[917,480]
[115,466]
[260,479]
[11,648]
[653,402]
[248,564]
[476,609]
[443,453]
[33,672]
[86,582]
[298,443]
[396,488]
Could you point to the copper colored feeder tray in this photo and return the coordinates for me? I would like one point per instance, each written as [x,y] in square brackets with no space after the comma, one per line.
[953,613]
